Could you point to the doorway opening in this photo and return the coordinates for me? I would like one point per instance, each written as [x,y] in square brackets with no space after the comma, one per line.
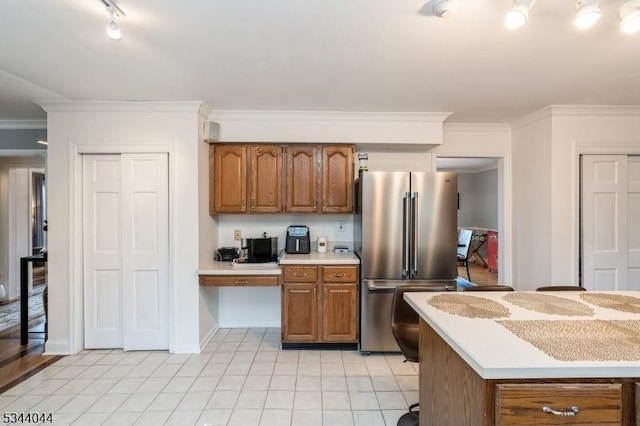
[479,212]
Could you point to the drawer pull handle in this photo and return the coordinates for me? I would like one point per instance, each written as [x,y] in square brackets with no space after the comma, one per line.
[242,282]
[301,274]
[574,410]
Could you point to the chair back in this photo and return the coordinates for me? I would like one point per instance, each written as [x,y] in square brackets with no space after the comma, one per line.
[464,241]
[561,288]
[405,320]
[489,288]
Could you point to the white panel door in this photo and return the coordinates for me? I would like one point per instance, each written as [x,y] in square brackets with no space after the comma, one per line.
[604,220]
[126,251]
[633,215]
[102,238]
[146,251]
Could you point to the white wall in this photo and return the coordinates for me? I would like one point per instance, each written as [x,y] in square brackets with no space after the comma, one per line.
[547,145]
[77,127]
[10,274]
[575,130]
[478,199]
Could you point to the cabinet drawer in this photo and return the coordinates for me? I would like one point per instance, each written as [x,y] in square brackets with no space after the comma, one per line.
[239,280]
[300,274]
[340,274]
[523,404]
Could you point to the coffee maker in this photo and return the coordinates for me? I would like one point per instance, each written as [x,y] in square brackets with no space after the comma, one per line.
[259,250]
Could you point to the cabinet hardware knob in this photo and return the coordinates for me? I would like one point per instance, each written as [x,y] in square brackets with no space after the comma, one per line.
[572,411]
[339,275]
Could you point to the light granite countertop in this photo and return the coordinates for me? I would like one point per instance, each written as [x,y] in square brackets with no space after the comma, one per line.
[313,258]
[523,341]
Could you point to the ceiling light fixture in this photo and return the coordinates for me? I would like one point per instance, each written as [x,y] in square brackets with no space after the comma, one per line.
[630,16]
[518,14]
[587,15]
[445,8]
[113,30]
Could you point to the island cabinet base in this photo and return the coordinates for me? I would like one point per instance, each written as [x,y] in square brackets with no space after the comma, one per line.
[452,393]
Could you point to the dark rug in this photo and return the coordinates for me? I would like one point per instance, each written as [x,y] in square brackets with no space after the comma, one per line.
[10,312]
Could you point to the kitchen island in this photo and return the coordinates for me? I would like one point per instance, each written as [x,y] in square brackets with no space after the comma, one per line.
[525,358]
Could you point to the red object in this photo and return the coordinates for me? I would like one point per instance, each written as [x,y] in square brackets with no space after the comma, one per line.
[492,251]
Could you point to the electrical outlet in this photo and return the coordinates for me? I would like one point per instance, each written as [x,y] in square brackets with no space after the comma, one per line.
[340,226]
[237,234]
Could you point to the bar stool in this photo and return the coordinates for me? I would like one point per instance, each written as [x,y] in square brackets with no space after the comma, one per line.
[405,328]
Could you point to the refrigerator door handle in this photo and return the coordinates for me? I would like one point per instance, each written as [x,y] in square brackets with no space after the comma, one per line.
[414,235]
[406,232]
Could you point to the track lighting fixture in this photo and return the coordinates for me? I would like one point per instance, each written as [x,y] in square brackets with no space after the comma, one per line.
[518,14]
[587,15]
[445,8]
[113,30]
[630,16]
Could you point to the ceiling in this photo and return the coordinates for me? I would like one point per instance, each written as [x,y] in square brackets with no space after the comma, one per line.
[315,55]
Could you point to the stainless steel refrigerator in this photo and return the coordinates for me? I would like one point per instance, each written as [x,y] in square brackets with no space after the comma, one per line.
[405,233]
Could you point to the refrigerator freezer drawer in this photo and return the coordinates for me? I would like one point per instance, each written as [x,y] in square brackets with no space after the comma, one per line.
[376,303]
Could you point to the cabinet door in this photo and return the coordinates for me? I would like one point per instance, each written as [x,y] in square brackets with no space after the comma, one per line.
[299,313]
[228,165]
[337,179]
[339,312]
[301,179]
[266,179]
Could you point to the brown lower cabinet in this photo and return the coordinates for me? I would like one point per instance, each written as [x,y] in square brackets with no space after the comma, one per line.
[452,393]
[320,304]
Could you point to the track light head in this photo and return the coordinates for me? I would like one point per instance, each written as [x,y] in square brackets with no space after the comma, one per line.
[587,15]
[630,16]
[518,14]
[445,8]
[113,31]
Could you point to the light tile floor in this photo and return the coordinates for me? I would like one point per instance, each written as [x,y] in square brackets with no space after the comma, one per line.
[241,378]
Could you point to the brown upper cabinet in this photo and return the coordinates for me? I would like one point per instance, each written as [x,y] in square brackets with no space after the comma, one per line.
[247,178]
[319,178]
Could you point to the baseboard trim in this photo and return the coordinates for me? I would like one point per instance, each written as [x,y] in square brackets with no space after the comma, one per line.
[207,338]
[57,347]
[328,346]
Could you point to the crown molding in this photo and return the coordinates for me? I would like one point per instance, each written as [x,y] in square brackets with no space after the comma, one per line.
[595,110]
[253,115]
[529,119]
[128,106]
[576,111]
[477,127]
[22,124]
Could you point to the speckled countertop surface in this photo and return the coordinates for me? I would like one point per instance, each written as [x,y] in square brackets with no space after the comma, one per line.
[497,347]
[313,258]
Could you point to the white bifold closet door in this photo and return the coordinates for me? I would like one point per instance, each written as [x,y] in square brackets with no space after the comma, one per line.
[126,251]
[610,225]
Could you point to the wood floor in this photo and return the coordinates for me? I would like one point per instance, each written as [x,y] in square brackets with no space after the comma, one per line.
[17,362]
[479,274]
